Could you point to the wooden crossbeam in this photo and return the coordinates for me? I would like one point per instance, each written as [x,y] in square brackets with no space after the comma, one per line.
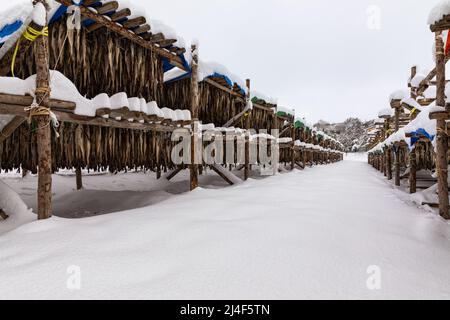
[113,26]
[424,84]
[26,101]
[65,116]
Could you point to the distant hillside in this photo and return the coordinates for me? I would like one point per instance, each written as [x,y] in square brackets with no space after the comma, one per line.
[352,133]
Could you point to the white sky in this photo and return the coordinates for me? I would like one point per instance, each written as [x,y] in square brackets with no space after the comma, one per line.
[317,56]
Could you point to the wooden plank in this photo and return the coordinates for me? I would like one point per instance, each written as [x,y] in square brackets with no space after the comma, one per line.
[111,25]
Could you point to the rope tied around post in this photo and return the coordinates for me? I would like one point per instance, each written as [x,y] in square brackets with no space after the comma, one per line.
[35,110]
[31,35]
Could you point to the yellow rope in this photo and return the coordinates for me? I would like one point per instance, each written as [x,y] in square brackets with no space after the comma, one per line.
[31,35]
[36,110]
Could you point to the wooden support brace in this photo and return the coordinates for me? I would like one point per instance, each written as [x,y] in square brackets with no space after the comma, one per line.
[224,177]
[172,175]
[9,129]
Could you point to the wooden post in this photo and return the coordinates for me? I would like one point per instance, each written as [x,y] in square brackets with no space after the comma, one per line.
[442,139]
[43,125]
[194,111]
[413,74]
[79,178]
[293,147]
[247,137]
[413,171]
[389,164]
[397,165]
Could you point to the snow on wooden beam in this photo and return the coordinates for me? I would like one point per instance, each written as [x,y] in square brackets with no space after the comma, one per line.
[442,25]
[26,101]
[113,26]
[67,116]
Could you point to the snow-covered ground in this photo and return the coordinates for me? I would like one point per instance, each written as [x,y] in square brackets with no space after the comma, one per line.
[307,234]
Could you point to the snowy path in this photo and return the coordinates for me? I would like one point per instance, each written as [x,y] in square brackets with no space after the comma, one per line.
[308,234]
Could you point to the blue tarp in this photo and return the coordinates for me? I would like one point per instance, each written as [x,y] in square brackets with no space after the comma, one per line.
[9,29]
[415,136]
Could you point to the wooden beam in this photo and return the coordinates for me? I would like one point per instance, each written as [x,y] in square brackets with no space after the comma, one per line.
[155,38]
[93,27]
[121,14]
[26,101]
[172,175]
[111,25]
[88,3]
[9,129]
[223,88]
[64,116]
[166,43]
[134,23]
[107,7]
[177,51]
[142,29]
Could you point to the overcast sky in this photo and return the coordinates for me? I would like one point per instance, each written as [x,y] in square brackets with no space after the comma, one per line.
[317,56]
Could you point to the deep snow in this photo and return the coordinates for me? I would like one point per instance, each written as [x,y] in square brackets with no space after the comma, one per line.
[306,234]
